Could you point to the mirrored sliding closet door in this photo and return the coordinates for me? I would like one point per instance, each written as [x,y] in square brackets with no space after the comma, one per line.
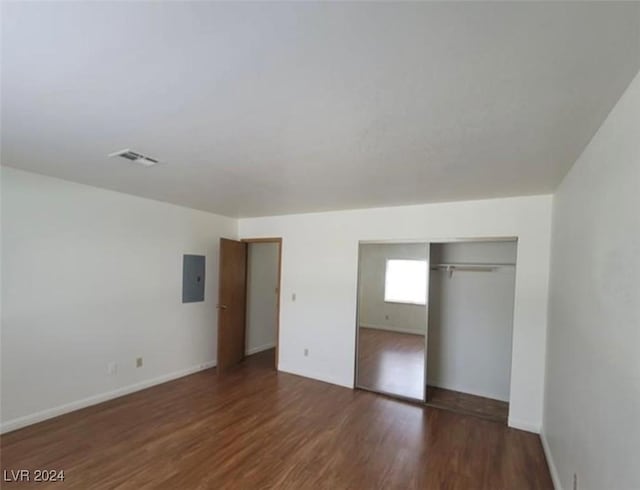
[392,318]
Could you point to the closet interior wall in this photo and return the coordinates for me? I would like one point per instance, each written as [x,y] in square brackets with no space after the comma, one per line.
[471,297]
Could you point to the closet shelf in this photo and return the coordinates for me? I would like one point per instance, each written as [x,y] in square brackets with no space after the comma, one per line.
[473,264]
[470,267]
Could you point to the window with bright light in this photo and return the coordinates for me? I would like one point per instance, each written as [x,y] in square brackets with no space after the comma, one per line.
[406,282]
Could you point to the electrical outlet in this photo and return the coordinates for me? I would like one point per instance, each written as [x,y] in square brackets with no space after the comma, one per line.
[112,368]
[139,362]
[575,481]
[306,353]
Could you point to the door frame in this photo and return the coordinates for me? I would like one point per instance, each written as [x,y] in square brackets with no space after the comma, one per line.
[277,240]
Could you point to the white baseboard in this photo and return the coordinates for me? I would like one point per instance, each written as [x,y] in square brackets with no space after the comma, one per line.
[49,413]
[260,348]
[388,328]
[555,478]
[522,425]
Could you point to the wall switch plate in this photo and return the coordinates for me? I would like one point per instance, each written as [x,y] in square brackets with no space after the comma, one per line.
[306,353]
[293,297]
[139,362]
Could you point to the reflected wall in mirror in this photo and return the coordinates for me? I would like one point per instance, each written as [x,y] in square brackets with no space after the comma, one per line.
[392,318]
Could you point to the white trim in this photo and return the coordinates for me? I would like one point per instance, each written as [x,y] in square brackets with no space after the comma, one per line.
[49,413]
[400,302]
[522,425]
[555,478]
[260,348]
[413,331]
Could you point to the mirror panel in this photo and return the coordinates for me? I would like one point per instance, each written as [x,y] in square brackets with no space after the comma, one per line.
[392,318]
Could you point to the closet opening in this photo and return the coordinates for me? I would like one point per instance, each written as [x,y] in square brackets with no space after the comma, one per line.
[470,326]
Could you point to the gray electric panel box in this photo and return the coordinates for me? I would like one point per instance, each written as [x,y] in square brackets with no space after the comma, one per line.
[192,278]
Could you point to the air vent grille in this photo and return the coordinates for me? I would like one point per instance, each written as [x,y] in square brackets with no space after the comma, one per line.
[135,157]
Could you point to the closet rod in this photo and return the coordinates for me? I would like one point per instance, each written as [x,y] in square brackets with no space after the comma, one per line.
[451,268]
[461,265]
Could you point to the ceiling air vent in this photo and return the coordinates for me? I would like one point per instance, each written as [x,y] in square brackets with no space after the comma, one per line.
[135,157]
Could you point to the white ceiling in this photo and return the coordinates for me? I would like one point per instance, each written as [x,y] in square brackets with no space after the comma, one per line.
[272,108]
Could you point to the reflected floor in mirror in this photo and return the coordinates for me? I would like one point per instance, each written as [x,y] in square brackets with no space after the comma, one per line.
[391,362]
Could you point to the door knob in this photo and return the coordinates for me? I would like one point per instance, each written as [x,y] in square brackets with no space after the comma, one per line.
[222,307]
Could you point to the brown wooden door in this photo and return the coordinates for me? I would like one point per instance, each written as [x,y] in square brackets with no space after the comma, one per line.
[232,287]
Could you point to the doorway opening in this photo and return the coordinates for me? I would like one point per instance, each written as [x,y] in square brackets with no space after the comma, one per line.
[249,302]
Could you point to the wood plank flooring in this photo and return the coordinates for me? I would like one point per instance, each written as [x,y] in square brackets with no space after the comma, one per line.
[393,363]
[470,404]
[255,429]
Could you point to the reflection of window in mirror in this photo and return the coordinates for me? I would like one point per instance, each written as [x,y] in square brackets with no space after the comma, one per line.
[405,281]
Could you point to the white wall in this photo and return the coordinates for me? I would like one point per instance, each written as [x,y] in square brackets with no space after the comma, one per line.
[262,296]
[92,276]
[471,319]
[374,311]
[319,265]
[592,402]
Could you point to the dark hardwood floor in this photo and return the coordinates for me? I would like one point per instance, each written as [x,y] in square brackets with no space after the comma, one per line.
[391,362]
[255,428]
[470,404]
